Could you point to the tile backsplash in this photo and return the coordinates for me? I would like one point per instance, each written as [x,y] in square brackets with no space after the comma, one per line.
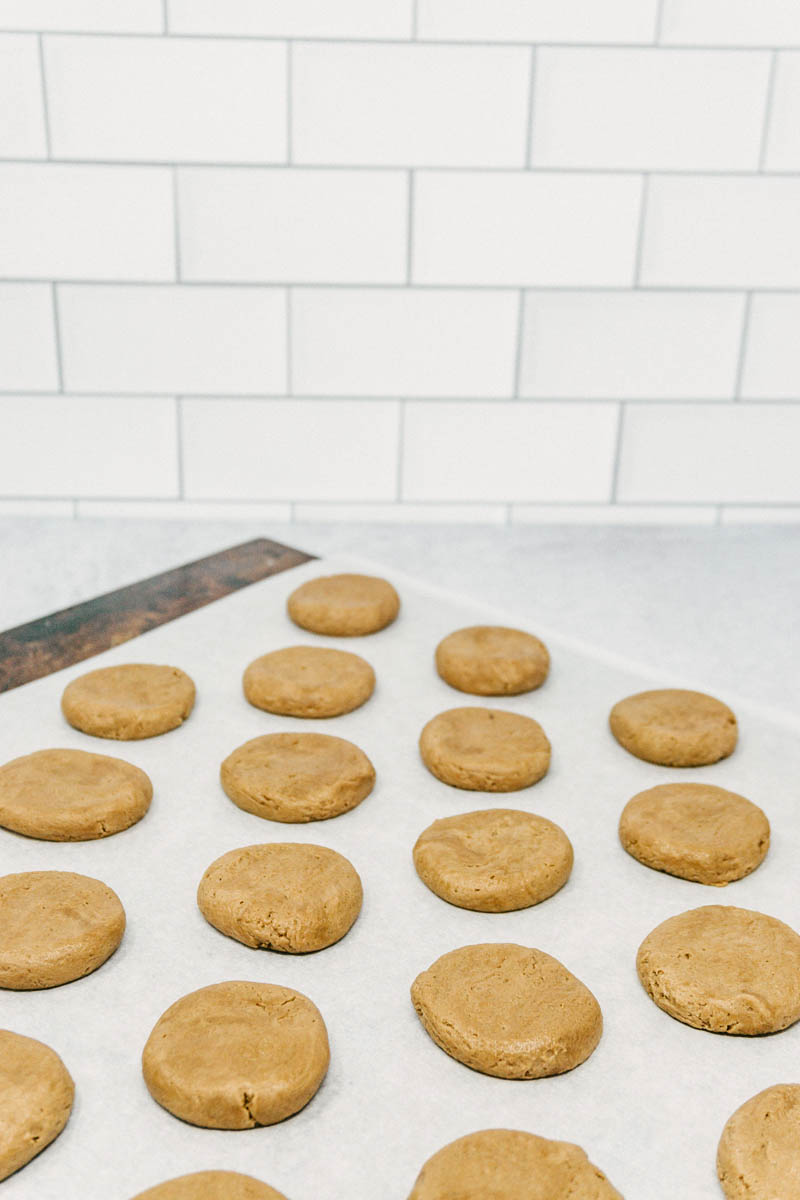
[479,260]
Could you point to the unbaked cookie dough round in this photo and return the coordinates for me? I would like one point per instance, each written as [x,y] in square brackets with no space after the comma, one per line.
[71,795]
[55,926]
[296,777]
[674,728]
[237,1054]
[485,749]
[344,605]
[508,1010]
[136,700]
[695,831]
[507,1164]
[491,660]
[725,969]
[757,1157]
[211,1185]
[309,681]
[36,1093]
[282,896]
[495,860]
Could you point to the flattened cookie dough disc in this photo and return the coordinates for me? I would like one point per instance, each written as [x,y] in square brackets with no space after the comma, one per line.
[297,777]
[485,749]
[758,1157]
[36,1093]
[211,1185]
[508,1010]
[344,605]
[491,660]
[55,926]
[237,1054]
[725,969]
[696,831]
[71,795]
[494,860]
[136,700]
[674,728]
[282,896]
[309,681]
[506,1164]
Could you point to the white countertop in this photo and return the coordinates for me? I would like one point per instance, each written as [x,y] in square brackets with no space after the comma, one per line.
[717,607]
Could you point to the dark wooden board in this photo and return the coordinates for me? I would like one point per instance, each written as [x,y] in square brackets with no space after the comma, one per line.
[50,643]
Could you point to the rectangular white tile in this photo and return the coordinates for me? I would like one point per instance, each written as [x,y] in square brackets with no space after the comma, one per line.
[22,125]
[711,453]
[650,108]
[88,446]
[731,22]
[84,16]
[404,514]
[290,449]
[183,510]
[294,18]
[387,342]
[27,338]
[613,514]
[772,358]
[86,222]
[757,515]
[167,99]
[722,231]
[521,228]
[173,339]
[412,105]
[783,135]
[631,345]
[509,451]
[541,21]
[293,226]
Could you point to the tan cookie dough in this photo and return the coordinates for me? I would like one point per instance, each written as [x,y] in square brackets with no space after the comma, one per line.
[137,700]
[36,1094]
[295,777]
[71,795]
[485,749]
[506,1164]
[494,860]
[674,728]
[282,896]
[237,1054]
[211,1185]
[344,605]
[507,1010]
[758,1157]
[55,926]
[491,660]
[696,831]
[725,969]
[309,681]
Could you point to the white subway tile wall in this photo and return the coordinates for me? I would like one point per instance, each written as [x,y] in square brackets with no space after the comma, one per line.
[401,260]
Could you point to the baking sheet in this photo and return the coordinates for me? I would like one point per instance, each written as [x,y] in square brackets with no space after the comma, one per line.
[650,1103]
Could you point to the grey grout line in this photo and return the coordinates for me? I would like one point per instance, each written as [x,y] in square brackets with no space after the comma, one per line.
[454,503]
[740,361]
[401,438]
[334,286]
[74,510]
[45,105]
[637,266]
[414,20]
[410,231]
[528,149]
[520,335]
[718,514]
[165,15]
[176,231]
[289,372]
[768,103]
[719,402]
[659,22]
[617,454]
[57,336]
[179,445]
[289,102]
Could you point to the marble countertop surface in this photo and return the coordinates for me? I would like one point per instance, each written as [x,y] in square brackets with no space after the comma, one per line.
[714,607]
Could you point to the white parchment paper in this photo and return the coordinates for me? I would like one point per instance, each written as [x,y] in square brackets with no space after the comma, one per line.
[648,1106]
